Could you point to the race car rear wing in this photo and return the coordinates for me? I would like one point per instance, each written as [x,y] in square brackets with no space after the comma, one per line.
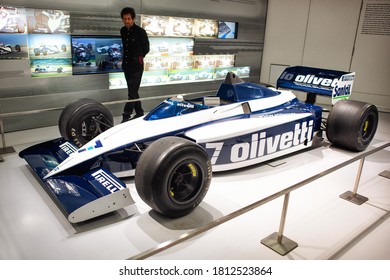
[332,83]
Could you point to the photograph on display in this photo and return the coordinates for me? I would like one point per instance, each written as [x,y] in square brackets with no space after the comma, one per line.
[181,47]
[225,60]
[181,27]
[48,21]
[242,72]
[153,63]
[51,67]
[153,78]
[49,46]
[171,46]
[50,55]
[13,46]
[227,30]
[12,20]
[205,61]
[180,76]
[182,62]
[203,74]
[205,28]
[155,25]
[117,80]
[96,54]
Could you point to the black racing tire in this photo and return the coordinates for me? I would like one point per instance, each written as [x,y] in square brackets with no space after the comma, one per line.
[173,176]
[352,124]
[83,120]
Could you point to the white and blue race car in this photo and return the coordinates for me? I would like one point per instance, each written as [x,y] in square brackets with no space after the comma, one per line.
[173,150]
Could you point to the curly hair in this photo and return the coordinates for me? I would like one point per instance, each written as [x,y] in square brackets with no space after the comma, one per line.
[128,10]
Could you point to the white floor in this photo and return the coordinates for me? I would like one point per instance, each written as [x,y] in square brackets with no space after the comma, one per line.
[324,225]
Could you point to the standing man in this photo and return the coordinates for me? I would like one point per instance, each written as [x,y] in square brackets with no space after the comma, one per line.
[135,47]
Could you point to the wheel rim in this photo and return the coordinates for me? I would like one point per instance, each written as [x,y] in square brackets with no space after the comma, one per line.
[93,125]
[367,127]
[185,182]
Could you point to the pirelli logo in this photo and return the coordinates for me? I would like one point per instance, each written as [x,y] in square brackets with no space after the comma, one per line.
[68,148]
[107,181]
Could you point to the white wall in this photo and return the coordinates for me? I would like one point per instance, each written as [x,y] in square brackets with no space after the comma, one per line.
[327,34]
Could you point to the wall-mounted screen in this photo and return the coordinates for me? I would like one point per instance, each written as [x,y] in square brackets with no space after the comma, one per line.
[227,30]
[96,54]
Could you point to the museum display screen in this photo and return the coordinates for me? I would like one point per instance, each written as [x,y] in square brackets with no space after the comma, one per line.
[96,54]
[227,30]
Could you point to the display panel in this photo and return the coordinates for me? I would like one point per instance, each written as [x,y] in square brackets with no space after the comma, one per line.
[242,72]
[13,46]
[49,46]
[171,47]
[48,21]
[50,55]
[12,20]
[181,27]
[155,25]
[55,67]
[227,30]
[205,28]
[96,54]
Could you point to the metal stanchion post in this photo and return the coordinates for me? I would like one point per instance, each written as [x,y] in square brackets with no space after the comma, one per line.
[276,241]
[354,197]
[4,149]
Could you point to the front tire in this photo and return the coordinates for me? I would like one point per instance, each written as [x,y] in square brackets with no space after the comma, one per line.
[173,175]
[83,120]
[352,124]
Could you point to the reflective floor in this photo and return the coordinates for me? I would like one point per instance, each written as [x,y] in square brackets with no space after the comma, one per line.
[323,225]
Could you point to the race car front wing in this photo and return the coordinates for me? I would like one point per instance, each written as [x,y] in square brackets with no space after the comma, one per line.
[80,196]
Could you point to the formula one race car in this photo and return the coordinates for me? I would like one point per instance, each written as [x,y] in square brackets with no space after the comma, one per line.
[172,151]
[7,49]
[114,50]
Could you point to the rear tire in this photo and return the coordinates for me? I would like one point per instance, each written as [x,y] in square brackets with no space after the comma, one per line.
[83,120]
[173,175]
[352,124]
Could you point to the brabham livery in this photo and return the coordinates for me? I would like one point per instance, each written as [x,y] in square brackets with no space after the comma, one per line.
[173,150]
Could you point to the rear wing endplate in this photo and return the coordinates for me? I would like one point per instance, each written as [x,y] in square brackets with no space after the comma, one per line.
[333,83]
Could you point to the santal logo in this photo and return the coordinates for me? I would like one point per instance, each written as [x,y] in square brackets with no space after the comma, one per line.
[107,181]
[342,91]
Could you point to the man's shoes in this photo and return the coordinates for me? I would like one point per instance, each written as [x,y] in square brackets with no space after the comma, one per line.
[125,118]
